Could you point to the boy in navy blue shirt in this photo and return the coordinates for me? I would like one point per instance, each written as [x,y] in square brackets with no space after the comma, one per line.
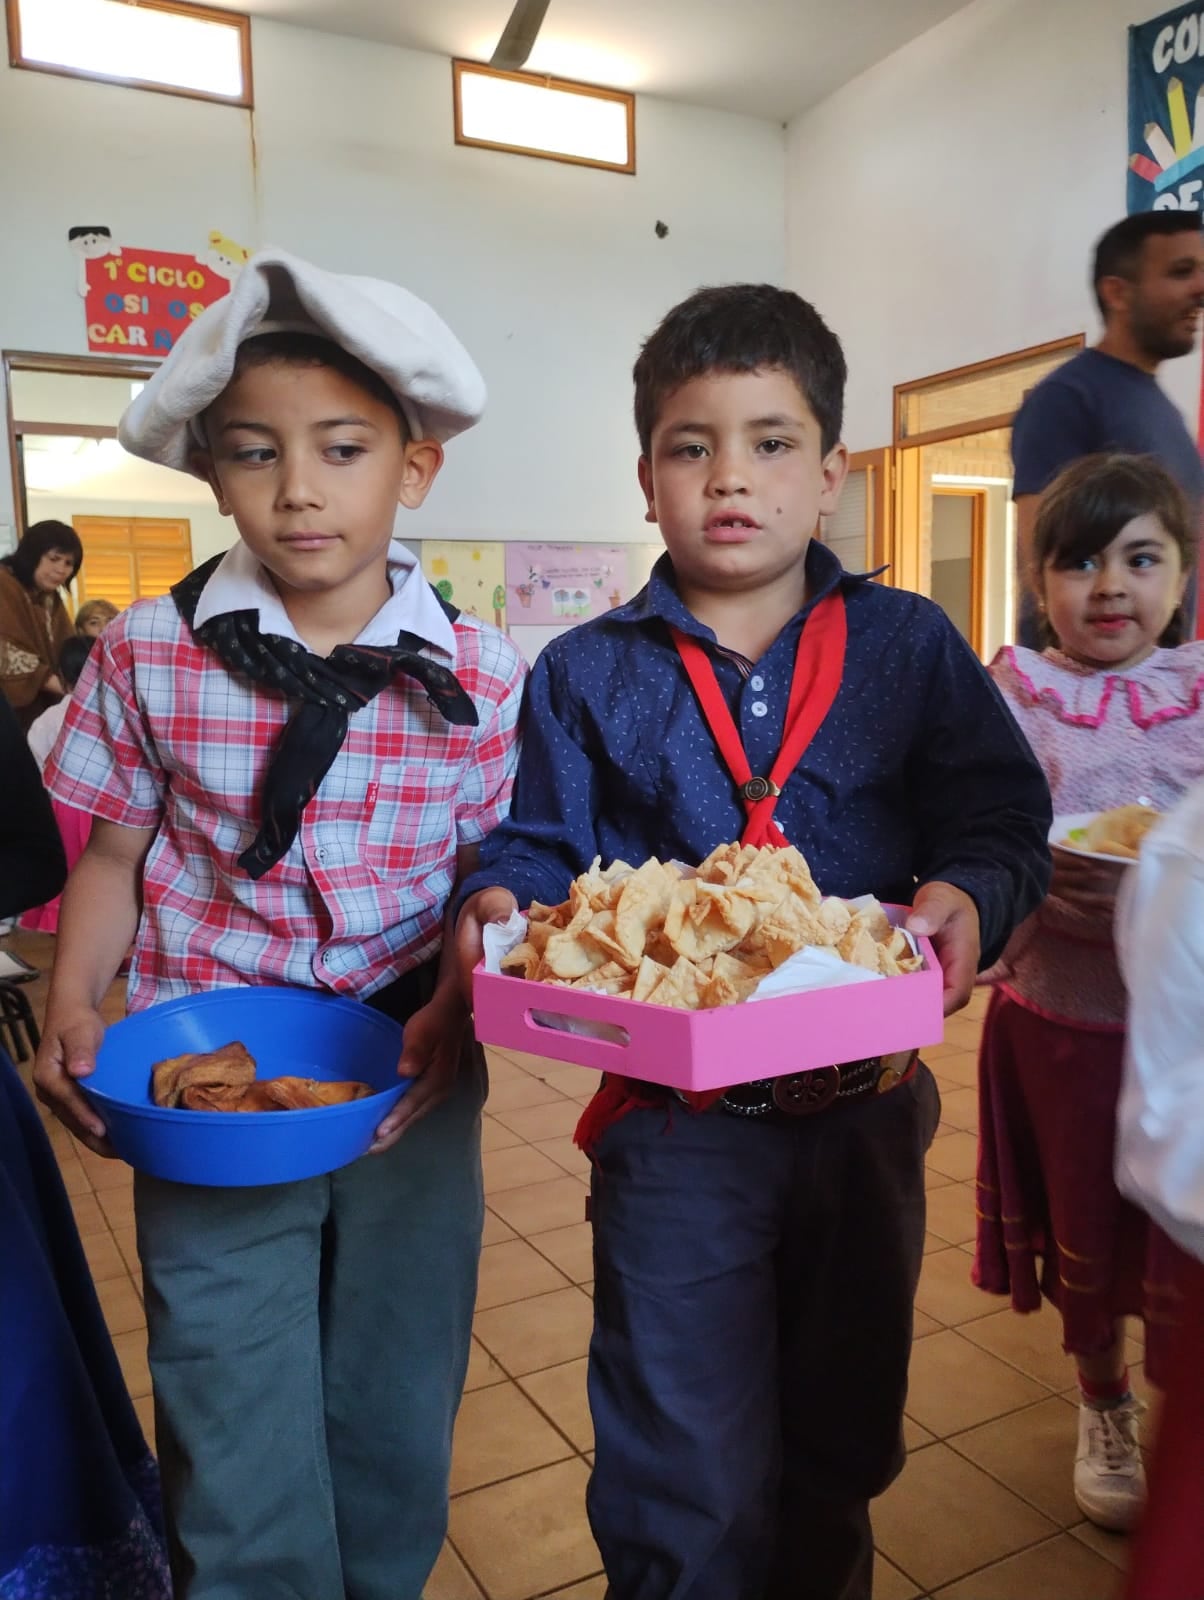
[756,1262]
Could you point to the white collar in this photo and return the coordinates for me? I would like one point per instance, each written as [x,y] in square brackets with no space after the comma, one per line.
[239,583]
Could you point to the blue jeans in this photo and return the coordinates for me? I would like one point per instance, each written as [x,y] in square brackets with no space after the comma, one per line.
[753,1317]
[308,1346]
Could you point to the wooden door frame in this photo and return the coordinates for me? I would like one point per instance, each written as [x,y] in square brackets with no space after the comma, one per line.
[978,552]
[879,541]
[71,366]
[974,369]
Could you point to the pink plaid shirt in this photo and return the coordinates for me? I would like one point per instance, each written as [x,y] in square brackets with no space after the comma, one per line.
[160,735]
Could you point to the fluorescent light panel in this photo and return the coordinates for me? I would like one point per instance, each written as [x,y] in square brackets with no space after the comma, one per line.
[536,116]
[198,53]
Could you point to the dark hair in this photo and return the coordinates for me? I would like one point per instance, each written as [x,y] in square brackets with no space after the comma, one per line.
[74,653]
[1118,252]
[312,350]
[82,233]
[739,327]
[1088,504]
[40,539]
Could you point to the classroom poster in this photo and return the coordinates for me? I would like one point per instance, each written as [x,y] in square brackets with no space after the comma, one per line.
[470,576]
[1166,112]
[140,301]
[551,585]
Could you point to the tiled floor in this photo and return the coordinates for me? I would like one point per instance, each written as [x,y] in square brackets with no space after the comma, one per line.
[983,1511]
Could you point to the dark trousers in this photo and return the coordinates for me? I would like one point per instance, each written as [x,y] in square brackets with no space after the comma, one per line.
[753,1318]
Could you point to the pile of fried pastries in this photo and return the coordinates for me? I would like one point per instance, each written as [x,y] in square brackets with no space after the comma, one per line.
[659,934]
[224,1080]
[1118,832]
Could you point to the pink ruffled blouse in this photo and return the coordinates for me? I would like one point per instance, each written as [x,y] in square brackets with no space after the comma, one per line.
[1104,739]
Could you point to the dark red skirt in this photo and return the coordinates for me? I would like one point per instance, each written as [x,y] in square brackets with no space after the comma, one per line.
[1168,1555]
[1051,1221]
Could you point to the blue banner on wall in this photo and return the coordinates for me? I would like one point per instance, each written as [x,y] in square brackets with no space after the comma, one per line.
[1166,112]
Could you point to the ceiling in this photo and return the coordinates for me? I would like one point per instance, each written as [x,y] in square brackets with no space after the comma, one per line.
[765,58]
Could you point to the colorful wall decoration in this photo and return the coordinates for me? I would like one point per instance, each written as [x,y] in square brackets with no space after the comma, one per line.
[138,302]
[471,576]
[560,584]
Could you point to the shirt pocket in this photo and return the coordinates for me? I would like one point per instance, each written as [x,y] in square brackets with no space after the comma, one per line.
[412,830]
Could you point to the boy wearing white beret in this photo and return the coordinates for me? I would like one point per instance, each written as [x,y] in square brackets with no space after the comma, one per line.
[291,760]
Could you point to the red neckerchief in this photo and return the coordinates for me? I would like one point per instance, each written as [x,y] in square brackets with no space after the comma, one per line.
[818,670]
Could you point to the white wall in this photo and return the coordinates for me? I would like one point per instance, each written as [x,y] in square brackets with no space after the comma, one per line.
[942,208]
[551,274]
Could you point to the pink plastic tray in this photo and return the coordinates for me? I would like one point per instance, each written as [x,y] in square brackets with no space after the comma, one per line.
[714,1049]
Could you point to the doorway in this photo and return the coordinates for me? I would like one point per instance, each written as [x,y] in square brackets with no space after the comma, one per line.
[953,444]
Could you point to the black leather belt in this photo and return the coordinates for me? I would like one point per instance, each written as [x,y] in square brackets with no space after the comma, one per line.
[802,1094]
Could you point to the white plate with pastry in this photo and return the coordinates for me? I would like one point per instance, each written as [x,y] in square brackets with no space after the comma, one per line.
[1098,836]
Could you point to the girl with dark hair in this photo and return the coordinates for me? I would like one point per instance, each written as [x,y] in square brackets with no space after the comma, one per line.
[34,624]
[1115,718]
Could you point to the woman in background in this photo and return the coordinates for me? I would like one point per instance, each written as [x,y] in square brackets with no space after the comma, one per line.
[34,623]
[74,825]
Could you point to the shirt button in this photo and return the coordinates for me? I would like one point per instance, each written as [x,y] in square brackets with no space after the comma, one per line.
[328,958]
[756,683]
[320,853]
[759,708]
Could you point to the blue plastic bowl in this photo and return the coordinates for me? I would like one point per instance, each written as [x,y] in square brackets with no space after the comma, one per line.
[288,1032]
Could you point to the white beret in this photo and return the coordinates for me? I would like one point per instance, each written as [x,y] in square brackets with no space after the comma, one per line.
[436,381]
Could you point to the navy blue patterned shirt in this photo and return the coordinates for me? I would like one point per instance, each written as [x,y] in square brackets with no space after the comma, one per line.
[918,772]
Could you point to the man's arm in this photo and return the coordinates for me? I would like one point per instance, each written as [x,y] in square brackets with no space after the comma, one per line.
[97,924]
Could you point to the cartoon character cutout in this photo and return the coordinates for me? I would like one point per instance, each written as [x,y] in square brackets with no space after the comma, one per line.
[90,244]
[224,257]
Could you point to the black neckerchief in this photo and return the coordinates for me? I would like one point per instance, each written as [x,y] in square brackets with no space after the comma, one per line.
[329,691]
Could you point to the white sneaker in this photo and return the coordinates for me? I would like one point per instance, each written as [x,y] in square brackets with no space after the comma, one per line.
[1109,1478]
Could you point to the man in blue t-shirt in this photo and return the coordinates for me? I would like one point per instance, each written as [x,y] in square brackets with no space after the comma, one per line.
[1149,283]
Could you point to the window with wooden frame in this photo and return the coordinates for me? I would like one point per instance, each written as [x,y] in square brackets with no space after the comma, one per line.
[168,46]
[859,529]
[526,114]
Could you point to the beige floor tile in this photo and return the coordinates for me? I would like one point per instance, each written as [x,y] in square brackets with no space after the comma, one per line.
[571,1249]
[121,1304]
[499,1434]
[75,1179]
[959,1109]
[131,1352]
[932,1053]
[956,1156]
[932,1178]
[933,1242]
[566,1154]
[527,1535]
[118,1206]
[495,1230]
[536,1066]
[482,1369]
[591,1589]
[889,1582]
[946,1292]
[514,1271]
[501,1068]
[542,1332]
[127,1243]
[951,1213]
[495,1137]
[451,1579]
[1114,1547]
[952,1385]
[571,1080]
[104,1258]
[1031,1452]
[561,1393]
[145,1407]
[915,1437]
[1059,1569]
[924,1325]
[519,1093]
[1032,1342]
[539,1207]
[964,1031]
[944,1518]
[89,1218]
[961,1069]
[105,1174]
[551,1121]
[517,1167]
